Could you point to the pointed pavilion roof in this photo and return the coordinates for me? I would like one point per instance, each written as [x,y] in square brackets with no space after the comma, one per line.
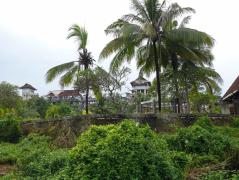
[140,81]
[28,86]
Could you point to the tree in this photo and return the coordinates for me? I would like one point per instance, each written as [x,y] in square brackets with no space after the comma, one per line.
[179,43]
[38,105]
[192,78]
[9,97]
[59,110]
[141,34]
[114,80]
[74,69]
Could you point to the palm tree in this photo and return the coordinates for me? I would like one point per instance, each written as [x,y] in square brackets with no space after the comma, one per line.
[72,71]
[140,34]
[192,77]
[179,43]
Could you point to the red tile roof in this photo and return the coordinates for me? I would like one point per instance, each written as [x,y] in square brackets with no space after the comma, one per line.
[64,93]
[233,89]
[28,86]
[69,93]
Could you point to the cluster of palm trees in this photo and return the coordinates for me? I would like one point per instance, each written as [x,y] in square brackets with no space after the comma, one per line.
[156,36]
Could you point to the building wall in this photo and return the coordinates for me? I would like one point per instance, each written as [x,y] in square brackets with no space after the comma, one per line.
[27,93]
[225,108]
[141,89]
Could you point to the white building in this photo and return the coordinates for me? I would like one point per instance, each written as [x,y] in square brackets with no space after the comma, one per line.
[140,85]
[27,91]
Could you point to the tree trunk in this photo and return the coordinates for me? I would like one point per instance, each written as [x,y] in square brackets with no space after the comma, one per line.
[187,99]
[156,61]
[87,91]
[175,69]
[86,99]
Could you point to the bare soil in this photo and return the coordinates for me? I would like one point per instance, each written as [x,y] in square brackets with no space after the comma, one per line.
[5,168]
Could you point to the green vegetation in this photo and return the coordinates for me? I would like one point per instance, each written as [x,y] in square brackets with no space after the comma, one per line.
[129,150]
[156,38]
[59,110]
[76,72]
[9,130]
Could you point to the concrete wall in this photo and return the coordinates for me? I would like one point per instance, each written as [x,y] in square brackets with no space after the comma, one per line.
[65,131]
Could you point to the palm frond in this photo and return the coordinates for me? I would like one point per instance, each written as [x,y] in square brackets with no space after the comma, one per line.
[80,34]
[185,21]
[57,70]
[140,9]
[133,18]
[191,36]
[68,77]
[112,47]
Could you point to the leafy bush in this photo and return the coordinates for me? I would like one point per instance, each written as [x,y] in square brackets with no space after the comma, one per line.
[8,153]
[204,122]
[235,123]
[9,128]
[203,160]
[200,138]
[124,151]
[59,110]
[221,175]
[34,157]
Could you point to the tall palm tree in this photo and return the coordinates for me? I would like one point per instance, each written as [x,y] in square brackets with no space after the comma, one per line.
[178,42]
[140,34]
[71,71]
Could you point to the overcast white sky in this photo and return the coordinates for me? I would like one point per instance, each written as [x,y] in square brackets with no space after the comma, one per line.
[33,35]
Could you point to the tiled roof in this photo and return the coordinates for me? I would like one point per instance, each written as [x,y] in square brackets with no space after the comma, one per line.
[64,93]
[28,86]
[140,81]
[232,90]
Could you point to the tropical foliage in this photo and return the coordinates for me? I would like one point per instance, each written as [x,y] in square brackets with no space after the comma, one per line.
[130,150]
[153,35]
[75,71]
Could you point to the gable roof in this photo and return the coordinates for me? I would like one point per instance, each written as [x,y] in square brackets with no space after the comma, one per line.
[232,90]
[64,93]
[140,81]
[28,86]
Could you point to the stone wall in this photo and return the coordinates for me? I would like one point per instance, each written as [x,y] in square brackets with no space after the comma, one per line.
[66,130]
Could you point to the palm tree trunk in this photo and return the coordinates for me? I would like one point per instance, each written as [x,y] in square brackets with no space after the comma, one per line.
[157,75]
[187,99]
[86,99]
[87,91]
[175,69]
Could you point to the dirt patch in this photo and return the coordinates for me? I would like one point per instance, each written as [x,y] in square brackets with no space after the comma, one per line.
[5,168]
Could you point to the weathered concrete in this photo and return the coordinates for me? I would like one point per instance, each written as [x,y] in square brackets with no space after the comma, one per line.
[66,130]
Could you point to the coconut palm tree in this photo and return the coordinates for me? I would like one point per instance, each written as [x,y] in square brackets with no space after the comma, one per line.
[192,77]
[71,72]
[178,43]
[140,34]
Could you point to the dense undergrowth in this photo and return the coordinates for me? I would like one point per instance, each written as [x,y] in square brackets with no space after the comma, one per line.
[130,151]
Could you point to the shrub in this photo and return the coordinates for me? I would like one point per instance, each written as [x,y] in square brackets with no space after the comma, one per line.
[197,139]
[8,153]
[204,122]
[221,175]
[235,123]
[203,161]
[59,110]
[124,151]
[9,128]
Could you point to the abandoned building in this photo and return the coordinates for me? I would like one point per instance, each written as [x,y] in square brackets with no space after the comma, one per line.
[230,101]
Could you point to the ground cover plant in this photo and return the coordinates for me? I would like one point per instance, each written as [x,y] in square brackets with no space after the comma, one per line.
[129,150]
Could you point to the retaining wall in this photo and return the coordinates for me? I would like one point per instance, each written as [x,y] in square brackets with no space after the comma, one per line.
[65,131]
